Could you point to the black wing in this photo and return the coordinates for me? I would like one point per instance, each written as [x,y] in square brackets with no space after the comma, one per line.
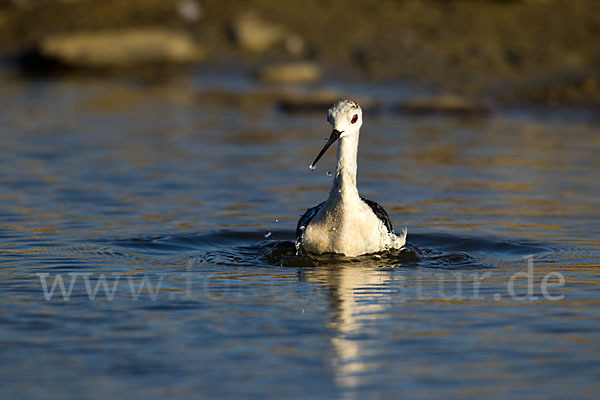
[380,213]
[305,219]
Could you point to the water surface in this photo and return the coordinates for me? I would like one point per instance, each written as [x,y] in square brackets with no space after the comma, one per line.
[166,186]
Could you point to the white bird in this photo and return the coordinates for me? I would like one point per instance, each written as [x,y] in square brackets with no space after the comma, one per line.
[346,223]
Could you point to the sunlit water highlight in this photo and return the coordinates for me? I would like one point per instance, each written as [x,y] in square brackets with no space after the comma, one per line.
[198,197]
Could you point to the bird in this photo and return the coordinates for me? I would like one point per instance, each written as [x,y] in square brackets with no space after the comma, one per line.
[346,223]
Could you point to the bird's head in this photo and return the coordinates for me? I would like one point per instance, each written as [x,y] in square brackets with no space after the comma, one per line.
[345,117]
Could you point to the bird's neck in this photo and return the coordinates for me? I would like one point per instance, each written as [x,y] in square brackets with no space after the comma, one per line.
[344,181]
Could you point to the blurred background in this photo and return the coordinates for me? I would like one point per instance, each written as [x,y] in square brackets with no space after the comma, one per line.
[505,51]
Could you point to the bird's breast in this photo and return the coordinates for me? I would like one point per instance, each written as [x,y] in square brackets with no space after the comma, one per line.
[350,230]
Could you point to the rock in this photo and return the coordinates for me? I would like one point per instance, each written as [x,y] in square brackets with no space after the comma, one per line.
[320,101]
[309,102]
[294,44]
[290,72]
[256,35]
[119,48]
[443,104]
[189,10]
[574,89]
[245,99]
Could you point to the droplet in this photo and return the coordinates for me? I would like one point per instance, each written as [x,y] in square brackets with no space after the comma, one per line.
[312,167]
[329,173]
[276,220]
[268,234]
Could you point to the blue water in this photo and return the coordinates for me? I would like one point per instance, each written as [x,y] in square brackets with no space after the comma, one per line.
[167,192]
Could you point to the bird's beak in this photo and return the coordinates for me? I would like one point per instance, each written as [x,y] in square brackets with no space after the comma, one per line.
[335,135]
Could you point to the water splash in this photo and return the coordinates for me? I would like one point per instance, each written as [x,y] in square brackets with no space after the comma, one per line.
[268,234]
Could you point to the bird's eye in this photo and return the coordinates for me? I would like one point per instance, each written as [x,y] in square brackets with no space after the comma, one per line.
[354,119]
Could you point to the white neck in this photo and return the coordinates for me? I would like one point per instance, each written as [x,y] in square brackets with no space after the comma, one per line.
[344,181]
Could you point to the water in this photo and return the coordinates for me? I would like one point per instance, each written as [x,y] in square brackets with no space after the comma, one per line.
[197,196]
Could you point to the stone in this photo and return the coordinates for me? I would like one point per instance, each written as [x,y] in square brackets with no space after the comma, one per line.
[256,35]
[449,104]
[120,48]
[290,72]
[318,101]
[189,10]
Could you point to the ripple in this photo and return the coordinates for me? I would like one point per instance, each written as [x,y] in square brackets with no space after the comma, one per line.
[250,249]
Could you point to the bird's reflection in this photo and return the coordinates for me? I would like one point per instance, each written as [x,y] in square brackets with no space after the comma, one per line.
[359,297]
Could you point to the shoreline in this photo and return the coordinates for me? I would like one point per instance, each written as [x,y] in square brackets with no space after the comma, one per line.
[538,52]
